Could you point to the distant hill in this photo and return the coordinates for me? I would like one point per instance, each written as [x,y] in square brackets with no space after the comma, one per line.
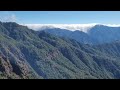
[97,34]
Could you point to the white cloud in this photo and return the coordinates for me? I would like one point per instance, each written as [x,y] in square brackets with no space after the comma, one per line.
[6,16]
[72,27]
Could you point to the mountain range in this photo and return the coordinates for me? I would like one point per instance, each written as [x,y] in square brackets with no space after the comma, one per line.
[29,54]
[92,34]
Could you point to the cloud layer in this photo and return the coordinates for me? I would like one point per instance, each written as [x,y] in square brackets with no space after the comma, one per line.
[72,27]
[7,16]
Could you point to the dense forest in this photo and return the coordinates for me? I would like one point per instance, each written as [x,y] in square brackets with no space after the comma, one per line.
[29,54]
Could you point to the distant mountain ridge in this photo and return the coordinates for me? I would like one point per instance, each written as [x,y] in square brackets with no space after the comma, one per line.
[72,27]
[97,34]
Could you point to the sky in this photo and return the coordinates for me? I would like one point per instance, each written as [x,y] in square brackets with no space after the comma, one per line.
[61,17]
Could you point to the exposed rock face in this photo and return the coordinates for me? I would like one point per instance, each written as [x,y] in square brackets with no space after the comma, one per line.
[11,70]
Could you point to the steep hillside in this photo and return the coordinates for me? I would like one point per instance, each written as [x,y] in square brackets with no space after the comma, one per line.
[98,34]
[25,53]
[96,63]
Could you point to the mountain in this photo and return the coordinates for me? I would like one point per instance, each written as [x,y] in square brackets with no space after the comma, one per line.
[29,54]
[104,34]
[97,34]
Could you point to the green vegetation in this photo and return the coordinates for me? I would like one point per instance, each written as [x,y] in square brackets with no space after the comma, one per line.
[28,54]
